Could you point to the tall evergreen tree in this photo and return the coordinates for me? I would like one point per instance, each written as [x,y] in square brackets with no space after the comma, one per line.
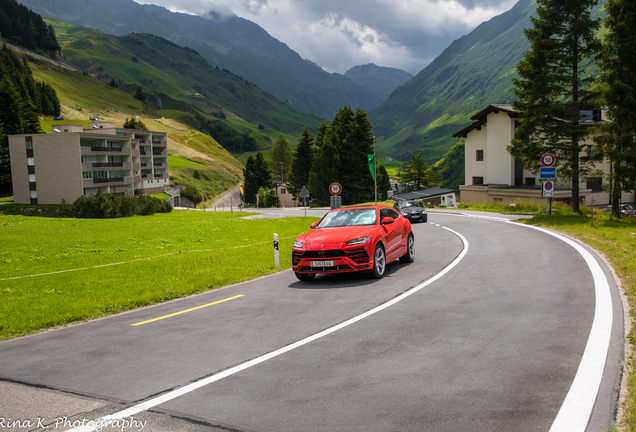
[256,175]
[416,174]
[384,183]
[10,111]
[302,163]
[30,118]
[617,139]
[281,157]
[5,165]
[553,87]
[322,130]
[326,169]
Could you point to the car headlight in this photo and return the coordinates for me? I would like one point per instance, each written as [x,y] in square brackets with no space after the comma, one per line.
[358,241]
[298,244]
[405,214]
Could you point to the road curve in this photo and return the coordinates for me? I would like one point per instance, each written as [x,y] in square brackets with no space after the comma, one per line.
[494,343]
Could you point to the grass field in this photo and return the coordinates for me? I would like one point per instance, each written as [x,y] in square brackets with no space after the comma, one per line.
[57,271]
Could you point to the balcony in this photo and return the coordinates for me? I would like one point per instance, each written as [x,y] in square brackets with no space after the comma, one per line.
[108,180]
[158,164]
[158,175]
[108,164]
[106,149]
[158,142]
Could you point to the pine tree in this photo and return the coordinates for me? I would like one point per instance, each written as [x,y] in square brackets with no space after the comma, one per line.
[139,94]
[326,169]
[5,165]
[553,87]
[10,113]
[416,174]
[256,174]
[281,156]
[617,139]
[302,163]
[384,183]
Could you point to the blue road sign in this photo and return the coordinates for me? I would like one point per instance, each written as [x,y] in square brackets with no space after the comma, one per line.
[547,173]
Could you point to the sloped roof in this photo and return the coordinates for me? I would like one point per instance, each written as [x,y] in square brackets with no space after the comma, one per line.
[481,117]
[425,193]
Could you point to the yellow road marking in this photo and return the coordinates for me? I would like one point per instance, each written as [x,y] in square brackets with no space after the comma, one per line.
[187,310]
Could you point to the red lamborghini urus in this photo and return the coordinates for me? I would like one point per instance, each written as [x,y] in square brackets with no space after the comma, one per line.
[364,238]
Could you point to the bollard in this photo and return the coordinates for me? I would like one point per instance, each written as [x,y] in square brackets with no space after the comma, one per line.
[276,261]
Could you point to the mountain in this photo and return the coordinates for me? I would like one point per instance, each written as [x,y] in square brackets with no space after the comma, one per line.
[473,72]
[377,79]
[228,42]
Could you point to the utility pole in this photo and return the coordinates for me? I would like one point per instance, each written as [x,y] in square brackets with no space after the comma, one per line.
[282,193]
[375,174]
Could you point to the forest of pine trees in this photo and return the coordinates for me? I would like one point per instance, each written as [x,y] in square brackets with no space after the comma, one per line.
[22,100]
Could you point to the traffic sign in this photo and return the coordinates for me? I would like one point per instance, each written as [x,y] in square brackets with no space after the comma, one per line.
[304,193]
[547,173]
[548,160]
[335,188]
[547,189]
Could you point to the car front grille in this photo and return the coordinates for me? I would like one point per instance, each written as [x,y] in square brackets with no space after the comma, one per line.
[356,255]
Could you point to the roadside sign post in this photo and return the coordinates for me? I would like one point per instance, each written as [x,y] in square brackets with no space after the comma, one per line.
[304,194]
[276,259]
[335,189]
[547,172]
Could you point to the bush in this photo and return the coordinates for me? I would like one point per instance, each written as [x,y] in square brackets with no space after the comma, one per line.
[267,198]
[193,193]
[105,206]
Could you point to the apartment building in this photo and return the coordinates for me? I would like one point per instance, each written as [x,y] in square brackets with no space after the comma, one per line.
[72,161]
[493,175]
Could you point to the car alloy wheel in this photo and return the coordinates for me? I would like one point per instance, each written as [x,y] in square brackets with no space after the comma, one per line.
[379,262]
[409,256]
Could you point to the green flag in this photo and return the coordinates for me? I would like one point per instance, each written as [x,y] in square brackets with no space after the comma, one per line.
[370,158]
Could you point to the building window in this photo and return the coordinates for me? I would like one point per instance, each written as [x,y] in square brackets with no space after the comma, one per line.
[594,183]
[29,143]
[30,161]
[34,194]
[531,181]
[478,180]
[480,155]
[31,178]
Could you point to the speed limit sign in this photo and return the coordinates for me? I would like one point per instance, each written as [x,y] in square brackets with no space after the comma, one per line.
[548,160]
[335,188]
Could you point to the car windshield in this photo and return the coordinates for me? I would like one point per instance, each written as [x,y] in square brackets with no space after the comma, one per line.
[409,204]
[345,217]
[628,207]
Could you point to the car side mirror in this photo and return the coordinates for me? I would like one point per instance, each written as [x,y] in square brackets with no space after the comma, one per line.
[387,220]
[313,225]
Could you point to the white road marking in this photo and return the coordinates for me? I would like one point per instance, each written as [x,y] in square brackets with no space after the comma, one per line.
[576,410]
[203,382]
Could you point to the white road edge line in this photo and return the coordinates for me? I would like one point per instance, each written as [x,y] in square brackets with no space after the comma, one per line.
[203,382]
[577,408]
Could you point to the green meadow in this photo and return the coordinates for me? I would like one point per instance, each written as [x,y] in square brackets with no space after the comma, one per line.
[56,271]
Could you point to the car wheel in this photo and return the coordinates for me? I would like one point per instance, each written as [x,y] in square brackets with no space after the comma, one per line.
[305,276]
[379,262]
[409,256]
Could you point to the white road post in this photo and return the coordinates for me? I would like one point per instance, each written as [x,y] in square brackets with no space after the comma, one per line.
[276,260]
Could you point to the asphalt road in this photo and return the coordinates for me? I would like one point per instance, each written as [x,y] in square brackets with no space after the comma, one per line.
[492,342]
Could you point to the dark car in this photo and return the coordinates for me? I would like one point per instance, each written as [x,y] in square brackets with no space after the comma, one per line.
[412,210]
[58,118]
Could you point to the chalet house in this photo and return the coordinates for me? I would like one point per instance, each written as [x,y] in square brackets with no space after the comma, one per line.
[71,162]
[493,175]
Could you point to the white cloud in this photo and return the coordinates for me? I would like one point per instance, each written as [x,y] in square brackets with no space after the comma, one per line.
[339,34]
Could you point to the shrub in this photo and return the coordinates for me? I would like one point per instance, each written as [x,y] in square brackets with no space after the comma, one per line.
[105,206]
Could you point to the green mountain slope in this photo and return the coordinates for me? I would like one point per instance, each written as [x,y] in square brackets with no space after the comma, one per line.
[377,79]
[229,42]
[473,72]
[180,73]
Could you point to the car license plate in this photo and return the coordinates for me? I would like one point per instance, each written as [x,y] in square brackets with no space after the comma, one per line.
[415,216]
[322,263]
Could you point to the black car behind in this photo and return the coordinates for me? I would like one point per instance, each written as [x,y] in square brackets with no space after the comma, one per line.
[411,210]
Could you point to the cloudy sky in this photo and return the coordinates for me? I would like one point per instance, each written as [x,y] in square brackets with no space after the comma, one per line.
[339,34]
